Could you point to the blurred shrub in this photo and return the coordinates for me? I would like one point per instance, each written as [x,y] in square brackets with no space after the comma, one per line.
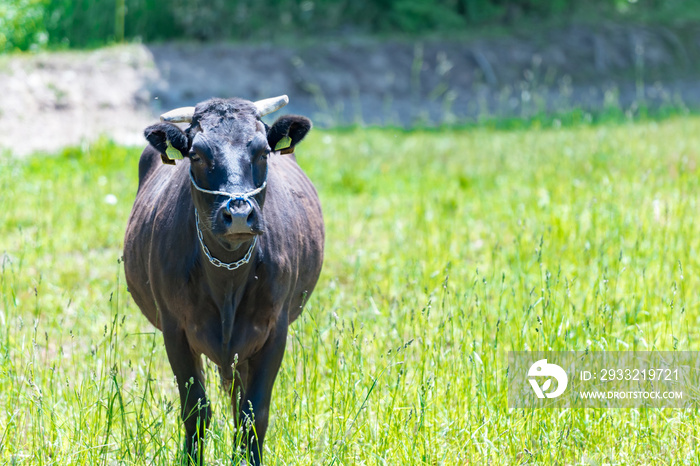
[90,23]
[22,25]
[26,24]
[417,16]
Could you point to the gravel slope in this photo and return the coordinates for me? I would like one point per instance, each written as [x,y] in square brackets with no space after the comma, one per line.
[51,100]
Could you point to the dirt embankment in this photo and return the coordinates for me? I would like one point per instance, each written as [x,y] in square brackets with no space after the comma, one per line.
[51,100]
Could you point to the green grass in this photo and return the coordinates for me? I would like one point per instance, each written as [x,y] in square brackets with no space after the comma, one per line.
[445,249]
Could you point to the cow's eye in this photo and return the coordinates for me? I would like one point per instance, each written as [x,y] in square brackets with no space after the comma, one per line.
[201,150]
[261,153]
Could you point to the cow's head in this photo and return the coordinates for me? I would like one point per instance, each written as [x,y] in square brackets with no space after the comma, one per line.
[227,147]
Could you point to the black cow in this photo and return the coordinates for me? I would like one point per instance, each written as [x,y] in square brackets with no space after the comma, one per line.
[222,250]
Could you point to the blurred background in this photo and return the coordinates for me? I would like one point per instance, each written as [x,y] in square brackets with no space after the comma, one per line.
[495,175]
[116,64]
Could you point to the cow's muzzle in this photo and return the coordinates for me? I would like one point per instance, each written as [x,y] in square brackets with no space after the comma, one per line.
[238,218]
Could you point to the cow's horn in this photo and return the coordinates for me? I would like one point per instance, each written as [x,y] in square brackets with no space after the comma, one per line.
[272,104]
[265,106]
[179,115]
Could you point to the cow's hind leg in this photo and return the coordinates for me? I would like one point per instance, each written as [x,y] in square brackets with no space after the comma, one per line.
[187,367]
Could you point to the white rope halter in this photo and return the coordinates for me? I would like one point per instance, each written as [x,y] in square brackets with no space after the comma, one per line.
[235,196]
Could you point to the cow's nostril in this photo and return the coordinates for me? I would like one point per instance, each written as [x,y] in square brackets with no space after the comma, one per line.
[227,216]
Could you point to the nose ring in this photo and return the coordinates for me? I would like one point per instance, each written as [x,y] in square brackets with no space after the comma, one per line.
[238,198]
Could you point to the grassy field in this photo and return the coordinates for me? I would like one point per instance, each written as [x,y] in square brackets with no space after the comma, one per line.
[445,250]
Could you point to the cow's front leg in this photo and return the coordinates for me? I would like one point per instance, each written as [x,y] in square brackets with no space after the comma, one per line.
[260,374]
[187,367]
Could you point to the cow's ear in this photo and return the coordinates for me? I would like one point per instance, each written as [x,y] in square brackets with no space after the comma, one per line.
[287,132]
[169,140]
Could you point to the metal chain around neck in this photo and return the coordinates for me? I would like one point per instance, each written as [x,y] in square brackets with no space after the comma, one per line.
[216,262]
